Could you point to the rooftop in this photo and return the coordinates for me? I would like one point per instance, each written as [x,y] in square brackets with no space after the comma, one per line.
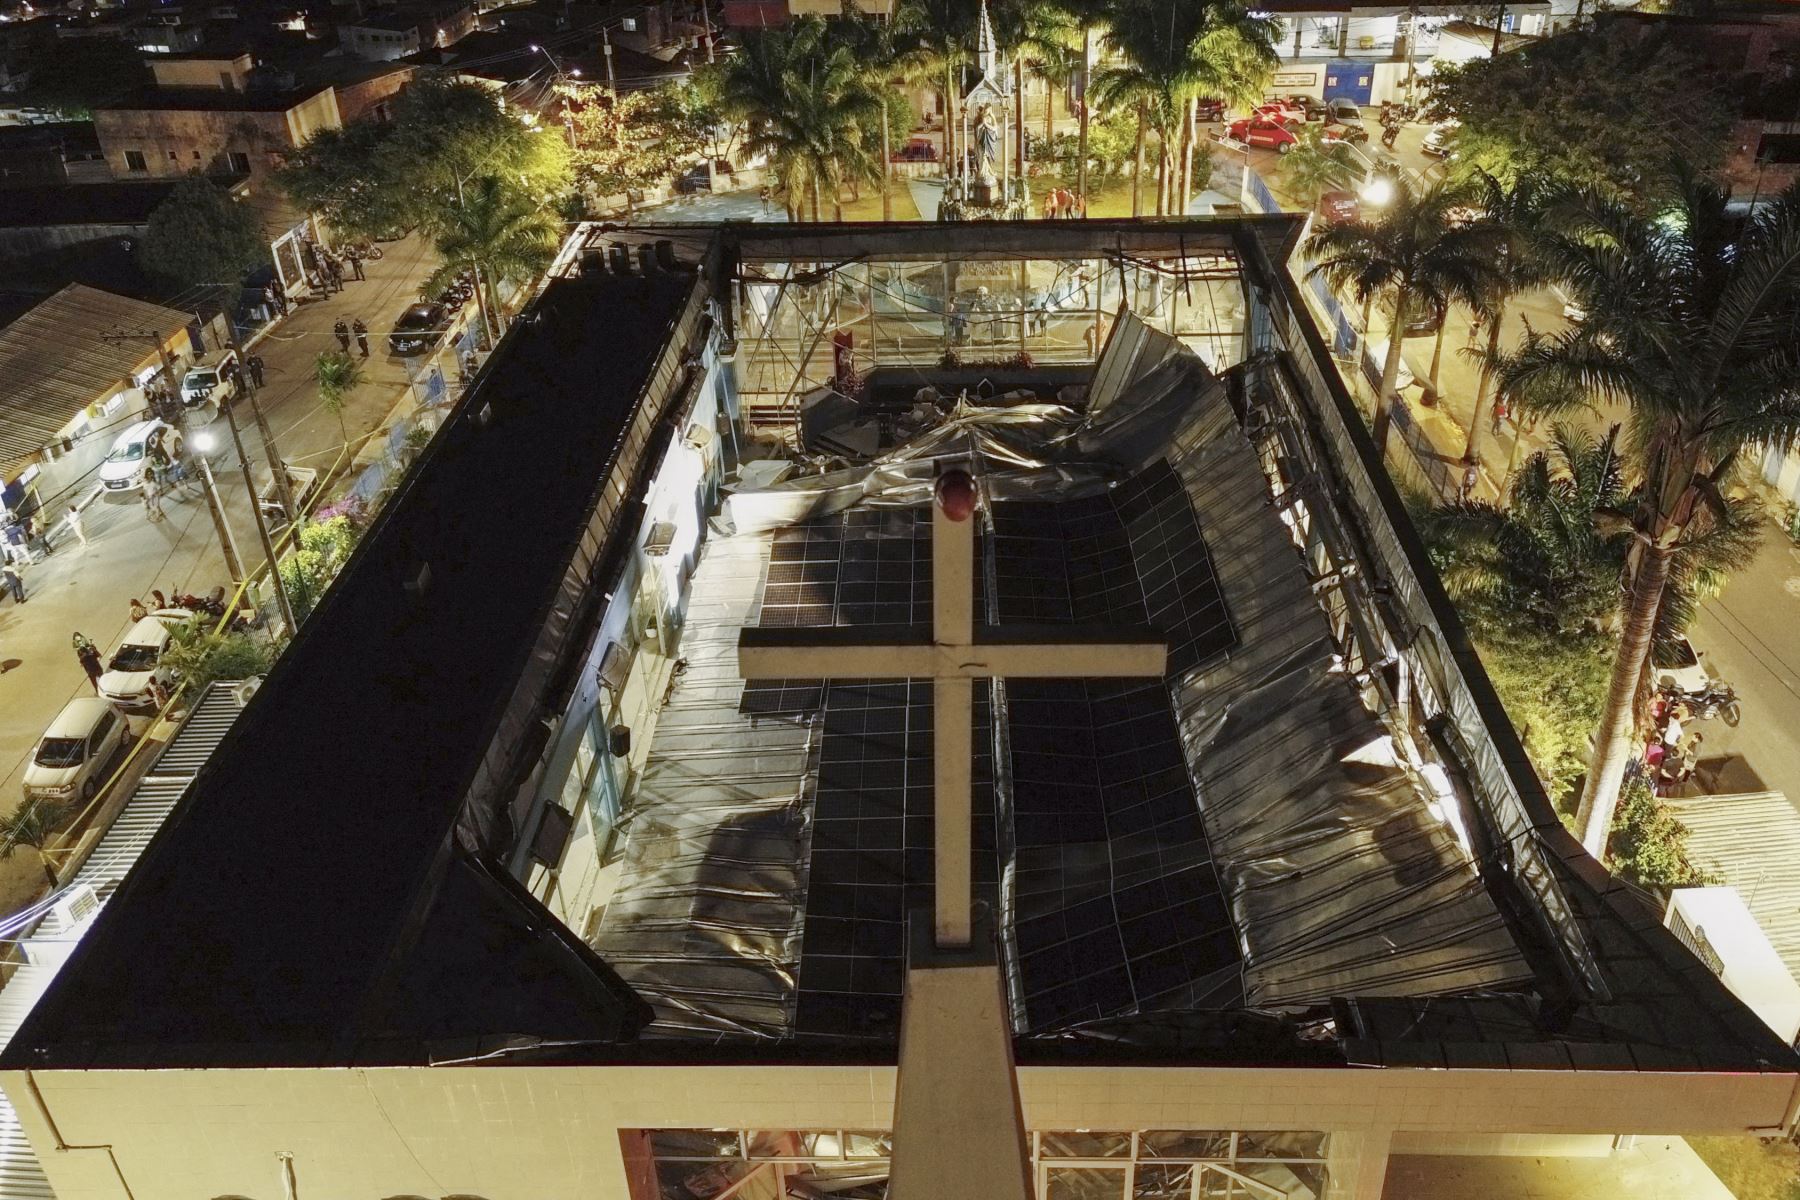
[1254,860]
[55,360]
[200,99]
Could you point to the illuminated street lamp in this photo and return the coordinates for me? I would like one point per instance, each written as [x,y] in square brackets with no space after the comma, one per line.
[1378,192]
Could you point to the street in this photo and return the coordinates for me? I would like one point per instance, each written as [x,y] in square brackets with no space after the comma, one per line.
[89,589]
[1746,639]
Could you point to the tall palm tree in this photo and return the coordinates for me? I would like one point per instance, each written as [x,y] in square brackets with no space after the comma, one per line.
[498,233]
[1088,15]
[944,32]
[1174,52]
[808,104]
[1692,319]
[893,52]
[33,824]
[1042,32]
[1417,247]
[1514,211]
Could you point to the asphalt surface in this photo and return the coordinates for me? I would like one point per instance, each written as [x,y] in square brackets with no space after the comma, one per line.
[1745,638]
[89,589]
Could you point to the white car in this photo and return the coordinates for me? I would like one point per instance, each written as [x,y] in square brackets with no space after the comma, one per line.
[1680,668]
[137,661]
[124,466]
[212,378]
[75,751]
[1375,358]
[1440,142]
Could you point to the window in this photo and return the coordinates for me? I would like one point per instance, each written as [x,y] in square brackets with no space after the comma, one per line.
[134,161]
[174,157]
[196,156]
[239,163]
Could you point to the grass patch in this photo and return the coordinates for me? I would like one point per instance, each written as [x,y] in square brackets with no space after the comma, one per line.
[1752,1168]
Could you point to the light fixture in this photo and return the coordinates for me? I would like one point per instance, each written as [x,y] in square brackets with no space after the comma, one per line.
[1378,190]
[204,441]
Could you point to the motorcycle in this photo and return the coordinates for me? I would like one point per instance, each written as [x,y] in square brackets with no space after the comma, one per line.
[1718,700]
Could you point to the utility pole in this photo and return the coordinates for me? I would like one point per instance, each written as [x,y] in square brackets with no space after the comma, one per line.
[606,48]
[234,564]
[262,527]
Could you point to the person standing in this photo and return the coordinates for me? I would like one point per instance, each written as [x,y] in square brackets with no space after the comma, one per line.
[362,336]
[14,580]
[356,267]
[152,497]
[343,335]
[72,522]
[88,655]
[138,611]
[256,370]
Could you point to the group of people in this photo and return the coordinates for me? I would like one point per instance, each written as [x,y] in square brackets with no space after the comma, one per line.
[1674,752]
[355,329]
[1061,203]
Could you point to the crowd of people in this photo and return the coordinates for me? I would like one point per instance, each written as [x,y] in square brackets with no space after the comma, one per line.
[1674,751]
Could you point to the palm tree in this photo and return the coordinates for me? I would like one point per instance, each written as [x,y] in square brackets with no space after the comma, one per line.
[1088,15]
[1691,324]
[942,32]
[808,105]
[1416,247]
[892,52]
[33,824]
[1318,165]
[497,233]
[1042,31]
[1549,557]
[1174,52]
[1514,212]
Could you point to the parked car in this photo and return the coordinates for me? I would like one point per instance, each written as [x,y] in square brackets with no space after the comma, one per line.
[1425,322]
[1312,106]
[1679,666]
[419,329]
[1285,111]
[1374,357]
[1343,110]
[917,149]
[212,378]
[1440,141]
[696,179]
[1260,131]
[137,662]
[1339,206]
[75,751]
[123,467]
[1210,108]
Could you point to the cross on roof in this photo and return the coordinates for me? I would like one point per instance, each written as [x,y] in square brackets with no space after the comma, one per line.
[959,1129]
[953,653]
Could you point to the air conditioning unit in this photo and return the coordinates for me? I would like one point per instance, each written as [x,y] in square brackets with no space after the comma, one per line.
[241,692]
[81,903]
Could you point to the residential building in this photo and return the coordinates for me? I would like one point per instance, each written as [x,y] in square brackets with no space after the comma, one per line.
[53,216]
[382,37]
[507,883]
[226,129]
[73,370]
[1755,51]
[55,153]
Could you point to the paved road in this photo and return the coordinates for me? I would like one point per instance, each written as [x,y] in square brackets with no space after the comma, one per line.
[1746,638]
[89,589]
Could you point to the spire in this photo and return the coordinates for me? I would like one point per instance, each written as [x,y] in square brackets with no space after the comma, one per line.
[988,52]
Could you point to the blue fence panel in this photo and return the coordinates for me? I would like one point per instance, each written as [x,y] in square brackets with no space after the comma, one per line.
[1259,192]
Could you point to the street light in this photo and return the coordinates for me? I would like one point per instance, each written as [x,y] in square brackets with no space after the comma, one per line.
[568,118]
[1378,192]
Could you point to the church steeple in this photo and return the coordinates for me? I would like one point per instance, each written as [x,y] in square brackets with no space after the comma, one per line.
[992,70]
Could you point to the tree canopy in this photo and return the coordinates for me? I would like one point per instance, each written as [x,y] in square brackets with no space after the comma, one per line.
[72,75]
[201,237]
[377,179]
[1587,109]
[636,140]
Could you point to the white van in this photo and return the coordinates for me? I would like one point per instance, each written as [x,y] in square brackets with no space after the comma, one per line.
[124,467]
[138,660]
[76,750]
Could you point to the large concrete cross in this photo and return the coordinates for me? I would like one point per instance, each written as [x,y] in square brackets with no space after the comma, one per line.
[959,1127]
[953,653]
